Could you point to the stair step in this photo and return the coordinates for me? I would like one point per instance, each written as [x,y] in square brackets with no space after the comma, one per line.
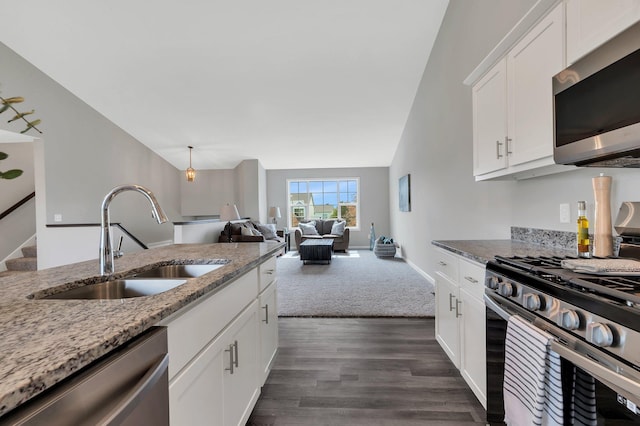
[30,251]
[22,264]
[9,273]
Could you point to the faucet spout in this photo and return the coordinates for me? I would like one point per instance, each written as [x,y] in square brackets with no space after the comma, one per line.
[106,250]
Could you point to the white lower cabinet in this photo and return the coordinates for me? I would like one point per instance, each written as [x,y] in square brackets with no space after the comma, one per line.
[218,347]
[268,318]
[447,323]
[220,386]
[461,318]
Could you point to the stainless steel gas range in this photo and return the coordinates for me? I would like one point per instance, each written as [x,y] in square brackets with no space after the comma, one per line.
[594,321]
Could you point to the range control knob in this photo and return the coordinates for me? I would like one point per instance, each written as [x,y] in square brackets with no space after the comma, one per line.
[506,289]
[599,334]
[568,319]
[492,283]
[532,302]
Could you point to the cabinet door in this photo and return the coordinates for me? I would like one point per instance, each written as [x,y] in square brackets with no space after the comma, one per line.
[490,121]
[530,66]
[241,383]
[473,344]
[268,317]
[592,22]
[447,324]
[196,394]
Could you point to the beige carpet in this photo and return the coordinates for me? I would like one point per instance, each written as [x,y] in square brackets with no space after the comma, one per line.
[355,284]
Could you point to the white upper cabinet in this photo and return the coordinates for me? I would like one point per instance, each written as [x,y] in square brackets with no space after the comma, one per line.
[531,65]
[513,105]
[592,22]
[490,121]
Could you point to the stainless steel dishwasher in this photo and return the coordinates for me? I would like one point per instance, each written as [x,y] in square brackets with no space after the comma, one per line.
[129,386]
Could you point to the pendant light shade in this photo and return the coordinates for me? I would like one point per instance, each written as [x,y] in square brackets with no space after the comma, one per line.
[191,172]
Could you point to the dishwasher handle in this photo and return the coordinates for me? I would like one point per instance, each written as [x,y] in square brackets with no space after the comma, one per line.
[139,391]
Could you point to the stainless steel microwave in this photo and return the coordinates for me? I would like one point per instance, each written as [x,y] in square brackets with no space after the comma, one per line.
[597,106]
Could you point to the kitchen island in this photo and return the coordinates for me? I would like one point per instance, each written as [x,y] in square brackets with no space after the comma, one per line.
[44,341]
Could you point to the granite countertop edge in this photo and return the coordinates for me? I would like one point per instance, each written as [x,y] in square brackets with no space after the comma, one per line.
[481,251]
[45,341]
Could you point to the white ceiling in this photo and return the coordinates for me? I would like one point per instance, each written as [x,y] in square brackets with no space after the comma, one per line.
[293,83]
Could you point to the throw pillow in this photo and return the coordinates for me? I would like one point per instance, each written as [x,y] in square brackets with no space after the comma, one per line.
[268,230]
[308,228]
[255,232]
[246,231]
[338,228]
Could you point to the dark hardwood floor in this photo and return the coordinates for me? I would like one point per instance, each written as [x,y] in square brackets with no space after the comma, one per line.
[363,371]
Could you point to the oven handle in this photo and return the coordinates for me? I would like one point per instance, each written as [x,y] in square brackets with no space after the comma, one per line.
[507,309]
[614,380]
[491,304]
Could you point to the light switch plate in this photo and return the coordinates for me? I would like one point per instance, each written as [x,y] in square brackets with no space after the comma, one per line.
[57,217]
[565,213]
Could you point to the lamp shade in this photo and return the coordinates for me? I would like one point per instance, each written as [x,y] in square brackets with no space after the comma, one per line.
[275,212]
[229,212]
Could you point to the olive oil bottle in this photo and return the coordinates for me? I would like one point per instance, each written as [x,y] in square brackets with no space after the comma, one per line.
[583,230]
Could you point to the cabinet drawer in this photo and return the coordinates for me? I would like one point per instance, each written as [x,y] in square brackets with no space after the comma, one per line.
[447,264]
[191,330]
[472,278]
[267,273]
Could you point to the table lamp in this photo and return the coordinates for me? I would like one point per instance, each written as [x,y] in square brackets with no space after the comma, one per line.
[274,212]
[229,212]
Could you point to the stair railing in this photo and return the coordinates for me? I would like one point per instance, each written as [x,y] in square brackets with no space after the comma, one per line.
[17,205]
[122,228]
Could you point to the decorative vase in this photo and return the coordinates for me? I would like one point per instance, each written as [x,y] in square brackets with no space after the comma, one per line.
[372,237]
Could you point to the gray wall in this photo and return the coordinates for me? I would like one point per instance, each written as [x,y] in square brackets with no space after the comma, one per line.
[374,196]
[86,155]
[436,145]
[436,148]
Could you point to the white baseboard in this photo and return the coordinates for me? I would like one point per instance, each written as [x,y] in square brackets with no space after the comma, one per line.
[421,272]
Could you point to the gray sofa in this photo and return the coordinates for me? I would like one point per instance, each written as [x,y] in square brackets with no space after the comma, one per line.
[236,233]
[323,228]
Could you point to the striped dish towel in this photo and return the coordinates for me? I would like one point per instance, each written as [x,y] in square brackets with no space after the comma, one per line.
[583,399]
[532,379]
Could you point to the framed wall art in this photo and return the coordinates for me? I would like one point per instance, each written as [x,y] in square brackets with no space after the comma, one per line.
[405,193]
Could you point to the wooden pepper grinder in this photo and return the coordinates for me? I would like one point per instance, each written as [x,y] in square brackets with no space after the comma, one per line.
[602,236]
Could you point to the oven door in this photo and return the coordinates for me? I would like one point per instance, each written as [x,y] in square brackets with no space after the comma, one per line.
[617,385]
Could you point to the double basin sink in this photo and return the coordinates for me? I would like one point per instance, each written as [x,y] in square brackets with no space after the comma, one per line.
[146,283]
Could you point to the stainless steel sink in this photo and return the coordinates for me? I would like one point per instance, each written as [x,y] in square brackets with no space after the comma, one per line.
[177,271]
[119,289]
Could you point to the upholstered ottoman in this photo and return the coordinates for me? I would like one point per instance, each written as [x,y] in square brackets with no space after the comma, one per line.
[316,250]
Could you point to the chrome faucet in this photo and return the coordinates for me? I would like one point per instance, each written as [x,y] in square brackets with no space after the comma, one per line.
[106,251]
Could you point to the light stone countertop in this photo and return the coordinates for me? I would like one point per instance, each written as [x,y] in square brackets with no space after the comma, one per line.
[482,251]
[44,341]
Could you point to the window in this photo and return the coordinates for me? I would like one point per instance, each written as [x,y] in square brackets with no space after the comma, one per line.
[324,199]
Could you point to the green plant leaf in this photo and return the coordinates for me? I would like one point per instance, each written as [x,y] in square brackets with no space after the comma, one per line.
[3,155]
[11,174]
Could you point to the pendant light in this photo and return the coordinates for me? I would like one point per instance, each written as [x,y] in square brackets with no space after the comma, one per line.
[191,172]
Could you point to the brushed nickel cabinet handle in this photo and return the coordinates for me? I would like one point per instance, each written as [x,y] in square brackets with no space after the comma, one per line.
[451,297]
[458,310]
[230,350]
[266,314]
[441,263]
[498,155]
[235,344]
[507,139]
[471,279]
